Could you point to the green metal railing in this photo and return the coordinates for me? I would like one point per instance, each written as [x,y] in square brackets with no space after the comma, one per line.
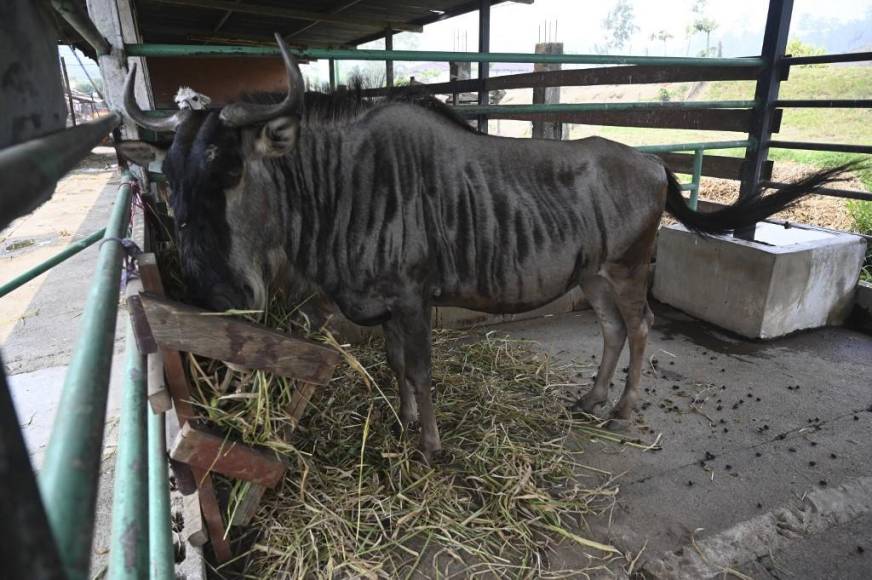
[129,542]
[171,50]
[69,476]
[698,152]
[47,265]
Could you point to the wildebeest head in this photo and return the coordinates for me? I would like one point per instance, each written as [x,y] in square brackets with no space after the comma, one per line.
[208,169]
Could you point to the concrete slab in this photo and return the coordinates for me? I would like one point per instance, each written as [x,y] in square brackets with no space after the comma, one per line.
[731,456]
[36,396]
[788,279]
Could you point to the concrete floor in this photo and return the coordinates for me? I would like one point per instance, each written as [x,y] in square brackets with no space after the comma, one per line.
[756,445]
[39,321]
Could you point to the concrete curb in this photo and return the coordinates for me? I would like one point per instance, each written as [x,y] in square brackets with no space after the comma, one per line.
[819,511]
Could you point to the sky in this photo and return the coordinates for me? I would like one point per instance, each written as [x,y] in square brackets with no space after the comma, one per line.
[578,24]
[516,27]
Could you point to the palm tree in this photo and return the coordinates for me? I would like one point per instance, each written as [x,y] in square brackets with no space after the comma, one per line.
[707,25]
[662,36]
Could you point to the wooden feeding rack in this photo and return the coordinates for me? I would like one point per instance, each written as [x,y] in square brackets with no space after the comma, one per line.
[164,329]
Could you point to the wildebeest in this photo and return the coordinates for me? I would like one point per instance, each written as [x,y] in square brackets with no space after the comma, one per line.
[398,208]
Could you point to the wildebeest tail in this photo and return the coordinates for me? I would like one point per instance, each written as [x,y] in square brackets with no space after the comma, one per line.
[749,210]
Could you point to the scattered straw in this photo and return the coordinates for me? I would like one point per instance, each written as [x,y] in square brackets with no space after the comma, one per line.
[360,502]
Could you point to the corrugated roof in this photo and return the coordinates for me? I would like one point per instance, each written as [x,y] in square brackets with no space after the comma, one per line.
[314,23]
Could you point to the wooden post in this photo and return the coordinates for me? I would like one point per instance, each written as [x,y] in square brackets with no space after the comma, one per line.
[547,95]
[389,64]
[483,69]
[69,90]
[768,83]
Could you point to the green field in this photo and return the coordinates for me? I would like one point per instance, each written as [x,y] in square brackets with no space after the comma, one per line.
[823,125]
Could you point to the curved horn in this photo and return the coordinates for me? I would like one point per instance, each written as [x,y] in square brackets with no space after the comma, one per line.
[242,114]
[131,107]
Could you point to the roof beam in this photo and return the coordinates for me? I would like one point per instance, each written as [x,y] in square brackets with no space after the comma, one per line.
[294,14]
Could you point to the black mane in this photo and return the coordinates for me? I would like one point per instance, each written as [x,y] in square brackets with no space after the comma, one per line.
[346,104]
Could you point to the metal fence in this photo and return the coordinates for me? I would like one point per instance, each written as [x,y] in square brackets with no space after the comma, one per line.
[58,523]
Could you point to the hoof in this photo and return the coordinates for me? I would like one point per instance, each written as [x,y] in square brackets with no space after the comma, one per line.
[588,403]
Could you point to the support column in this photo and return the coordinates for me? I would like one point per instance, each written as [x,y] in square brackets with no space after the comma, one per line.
[332,64]
[774,45]
[483,67]
[458,71]
[115,20]
[389,64]
[547,95]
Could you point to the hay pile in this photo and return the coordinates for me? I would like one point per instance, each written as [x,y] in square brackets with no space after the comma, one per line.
[359,501]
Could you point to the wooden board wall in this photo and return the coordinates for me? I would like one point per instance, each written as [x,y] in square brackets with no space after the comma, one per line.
[221,79]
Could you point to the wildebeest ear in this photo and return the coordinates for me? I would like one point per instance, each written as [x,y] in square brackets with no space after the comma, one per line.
[278,137]
[140,152]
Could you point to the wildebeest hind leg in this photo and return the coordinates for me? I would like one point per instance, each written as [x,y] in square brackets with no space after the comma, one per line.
[396,360]
[631,290]
[599,293]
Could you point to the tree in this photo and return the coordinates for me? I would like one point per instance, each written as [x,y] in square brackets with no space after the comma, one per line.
[662,36]
[797,47]
[620,26]
[703,23]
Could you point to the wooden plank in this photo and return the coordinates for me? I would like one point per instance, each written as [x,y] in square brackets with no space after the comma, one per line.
[174,370]
[181,327]
[210,452]
[701,119]
[299,400]
[622,75]
[212,514]
[180,392]
[616,75]
[712,165]
[248,505]
[195,531]
[158,396]
[145,341]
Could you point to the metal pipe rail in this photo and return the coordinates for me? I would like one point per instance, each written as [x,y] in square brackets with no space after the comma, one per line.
[70,473]
[837,147]
[827,58]
[825,103]
[30,171]
[172,50]
[589,107]
[72,13]
[698,153]
[128,547]
[828,191]
[50,263]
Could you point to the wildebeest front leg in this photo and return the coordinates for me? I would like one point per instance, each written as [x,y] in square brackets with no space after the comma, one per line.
[396,359]
[414,325]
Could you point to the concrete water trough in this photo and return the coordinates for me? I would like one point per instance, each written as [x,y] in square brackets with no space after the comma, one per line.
[790,278]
